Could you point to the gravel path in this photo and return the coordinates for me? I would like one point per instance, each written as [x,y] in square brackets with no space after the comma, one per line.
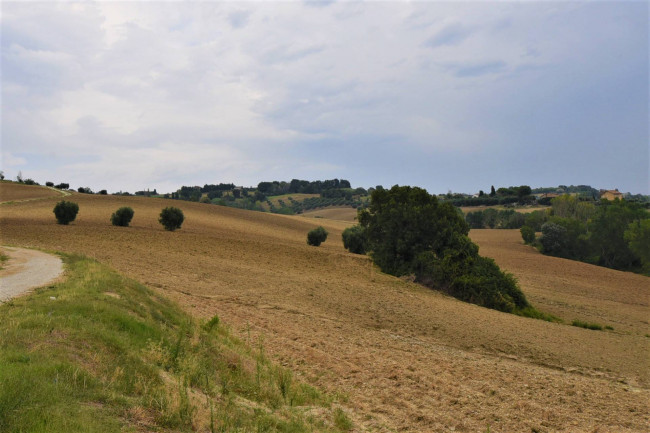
[25,270]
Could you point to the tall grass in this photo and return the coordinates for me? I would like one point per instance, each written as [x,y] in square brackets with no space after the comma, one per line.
[101,353]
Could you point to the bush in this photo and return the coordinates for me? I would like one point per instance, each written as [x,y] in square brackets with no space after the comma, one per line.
[122,217]
[553,238]
[65,212]
[354,240]
[171,218]
[317,236]
[528,234]
[49,184]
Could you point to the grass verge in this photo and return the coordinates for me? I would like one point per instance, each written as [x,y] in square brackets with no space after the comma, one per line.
[101,353]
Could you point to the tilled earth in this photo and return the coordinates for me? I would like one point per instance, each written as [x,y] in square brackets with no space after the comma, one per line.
[407,358]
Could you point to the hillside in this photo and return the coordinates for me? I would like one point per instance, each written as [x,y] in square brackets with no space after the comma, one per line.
[409,358]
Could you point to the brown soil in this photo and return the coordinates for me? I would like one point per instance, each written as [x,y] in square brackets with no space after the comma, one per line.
[333,213]
[409,359]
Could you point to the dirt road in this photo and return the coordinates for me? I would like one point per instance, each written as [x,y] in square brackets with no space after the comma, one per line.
[25,270]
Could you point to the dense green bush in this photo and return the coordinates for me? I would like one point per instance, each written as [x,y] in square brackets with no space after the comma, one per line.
[354,240]
[410,232]
[65,212]
[403,222]
[465,275]
[527,234]
[553,238]
[122,217]
[171,218]
[317,236]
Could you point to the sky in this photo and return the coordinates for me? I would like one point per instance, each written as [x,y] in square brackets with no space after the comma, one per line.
[457,97]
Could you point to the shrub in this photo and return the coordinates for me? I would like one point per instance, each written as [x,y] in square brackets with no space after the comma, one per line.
[65,212]
[49,183]
[354,240]
[317,236]
[63,186]
[171,218]
[528,234]
[122,217]
[553,238]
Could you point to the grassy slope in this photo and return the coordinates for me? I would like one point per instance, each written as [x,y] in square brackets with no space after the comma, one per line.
[101,353]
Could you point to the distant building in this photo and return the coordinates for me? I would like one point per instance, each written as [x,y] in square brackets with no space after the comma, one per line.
[609,194]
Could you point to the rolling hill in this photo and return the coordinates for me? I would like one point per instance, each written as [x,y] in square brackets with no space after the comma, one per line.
[409,358]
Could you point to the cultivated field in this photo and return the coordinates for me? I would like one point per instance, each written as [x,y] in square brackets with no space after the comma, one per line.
[10,191]
[409,359]
[333,213]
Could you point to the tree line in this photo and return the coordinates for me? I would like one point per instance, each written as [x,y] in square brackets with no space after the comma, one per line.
[614,234]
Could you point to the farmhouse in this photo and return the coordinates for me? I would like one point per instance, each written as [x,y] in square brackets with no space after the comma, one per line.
[608,194]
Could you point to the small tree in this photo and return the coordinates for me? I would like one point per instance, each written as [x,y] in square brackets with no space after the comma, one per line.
[122,217]
[171,218]
[317,236]
[553,239]
[65,212]
[49,184]
[527,234]
[354,240]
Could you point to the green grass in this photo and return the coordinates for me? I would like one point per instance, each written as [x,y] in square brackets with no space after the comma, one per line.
[3,259]
[593,326]
[533,313]
[102,353]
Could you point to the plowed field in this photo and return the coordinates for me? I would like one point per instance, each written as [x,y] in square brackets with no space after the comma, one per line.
[409,359]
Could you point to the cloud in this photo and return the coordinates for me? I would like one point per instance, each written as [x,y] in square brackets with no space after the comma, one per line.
[452,34]
[239,19]
[160,94]
[478,69]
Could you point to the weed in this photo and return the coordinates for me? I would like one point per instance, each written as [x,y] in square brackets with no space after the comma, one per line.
[593,326]
[341,420]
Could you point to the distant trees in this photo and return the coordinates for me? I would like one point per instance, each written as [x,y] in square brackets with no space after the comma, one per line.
[613,234]
[122,217]
[63,186]
[65,212]
[492,218]
[51,184]
[317,236]
[637,236]
[171,218]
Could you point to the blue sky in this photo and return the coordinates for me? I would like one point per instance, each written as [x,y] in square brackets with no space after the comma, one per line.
[447,96]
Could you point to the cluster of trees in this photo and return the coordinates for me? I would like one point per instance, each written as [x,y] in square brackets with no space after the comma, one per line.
[410,232]
[495,219]
[171,218]
[502,196]
[614,234]
[301,186]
